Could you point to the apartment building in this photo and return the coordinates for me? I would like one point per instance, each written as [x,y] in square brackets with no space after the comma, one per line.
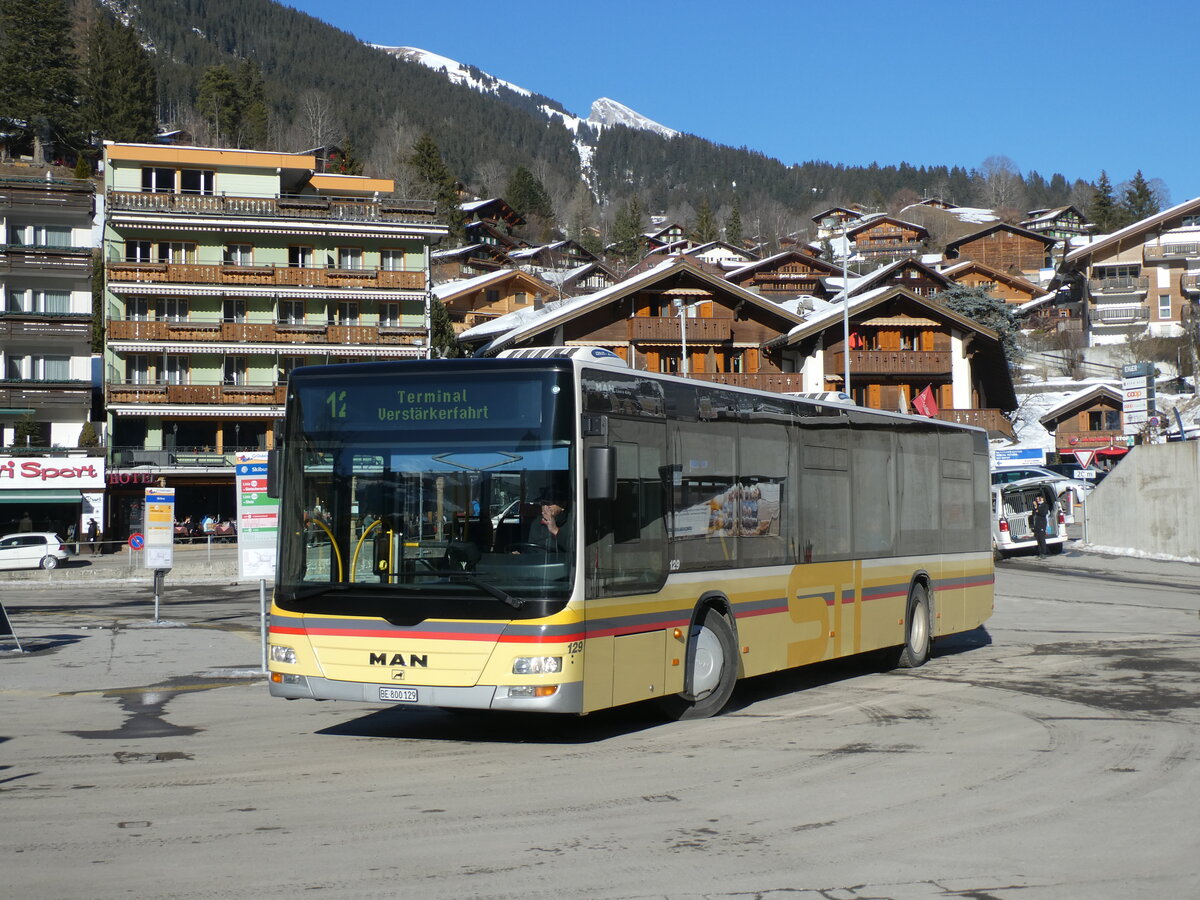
[226,269]
[45,309]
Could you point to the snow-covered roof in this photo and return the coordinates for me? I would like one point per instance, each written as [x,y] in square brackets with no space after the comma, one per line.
[1137,228]
[451,288]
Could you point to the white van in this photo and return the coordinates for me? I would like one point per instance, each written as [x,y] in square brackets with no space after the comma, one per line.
[1011,506]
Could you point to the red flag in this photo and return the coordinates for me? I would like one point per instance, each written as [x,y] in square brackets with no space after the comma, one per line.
[924,402]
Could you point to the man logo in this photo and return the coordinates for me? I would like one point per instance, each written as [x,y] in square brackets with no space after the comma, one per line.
[397,674]
[399,659]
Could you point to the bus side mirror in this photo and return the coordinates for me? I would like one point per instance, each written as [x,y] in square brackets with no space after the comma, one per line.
[273,474]
[600,473]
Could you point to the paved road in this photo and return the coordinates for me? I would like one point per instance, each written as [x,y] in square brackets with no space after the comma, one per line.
[1055,754]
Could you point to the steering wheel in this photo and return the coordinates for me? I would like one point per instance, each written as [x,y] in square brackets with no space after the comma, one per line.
[525,547]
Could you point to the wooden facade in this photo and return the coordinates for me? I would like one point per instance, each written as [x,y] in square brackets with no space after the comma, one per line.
[1090,420]
[478,300]
[884,237]
[1006,248]
[785,275]
[1004,286]
[911,274]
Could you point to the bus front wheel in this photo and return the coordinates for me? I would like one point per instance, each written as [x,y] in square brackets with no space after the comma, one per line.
[712,669]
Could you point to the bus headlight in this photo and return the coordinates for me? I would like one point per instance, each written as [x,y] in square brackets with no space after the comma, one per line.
[282,654]
[537,665]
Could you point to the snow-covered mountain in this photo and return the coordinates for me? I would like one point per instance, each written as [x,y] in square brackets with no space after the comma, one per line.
[604,111]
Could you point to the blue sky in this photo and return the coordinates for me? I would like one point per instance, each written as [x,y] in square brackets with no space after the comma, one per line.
[1067,86]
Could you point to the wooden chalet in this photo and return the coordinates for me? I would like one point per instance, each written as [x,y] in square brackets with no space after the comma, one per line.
[885,237]
[835,220]
[1061,223]
[1008,248]
[565,254]
[912,274]
[466,262]
[726,328]
[585,279]
[1006,286]
[1090,420]
[901,343]
[785,275]
[935,203]
[485,298]
[1144,276]
[721,254]
[492,222]
[664,235]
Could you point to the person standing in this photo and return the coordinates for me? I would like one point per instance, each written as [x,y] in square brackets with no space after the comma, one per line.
[26,523]
[1039,519]
[93,532]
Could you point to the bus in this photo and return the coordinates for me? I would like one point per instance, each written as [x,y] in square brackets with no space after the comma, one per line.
[565,535]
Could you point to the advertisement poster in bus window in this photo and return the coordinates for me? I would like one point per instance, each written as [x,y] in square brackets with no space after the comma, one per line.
[741,510]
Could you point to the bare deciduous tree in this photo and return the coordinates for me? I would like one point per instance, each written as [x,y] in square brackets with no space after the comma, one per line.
[1001,186]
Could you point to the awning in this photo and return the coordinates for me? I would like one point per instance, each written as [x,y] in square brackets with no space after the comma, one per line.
[901,322]
[40,497]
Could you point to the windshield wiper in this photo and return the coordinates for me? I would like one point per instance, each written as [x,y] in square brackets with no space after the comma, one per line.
[488,588]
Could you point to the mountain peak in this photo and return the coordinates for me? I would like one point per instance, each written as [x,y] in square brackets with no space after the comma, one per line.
[607,111]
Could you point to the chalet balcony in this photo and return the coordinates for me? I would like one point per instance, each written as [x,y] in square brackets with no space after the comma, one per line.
[1120,315]
[263,276]
[1129,285]
[666,330]
[204,394]
[288,206]
[993,420]
[48,394]
[1189,284]
[1158,251]
[200,331]
[57,327]
[71,194]
[890,362]
[779,382]
[42,259]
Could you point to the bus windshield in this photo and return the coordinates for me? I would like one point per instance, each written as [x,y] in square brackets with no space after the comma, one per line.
[383,499]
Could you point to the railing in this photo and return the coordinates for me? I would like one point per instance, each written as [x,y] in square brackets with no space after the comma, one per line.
[1108,315]
[70,259]
[667,330]
[779,382]
[889,362]
[991,419]
[57,326]
[1189,284]
[230,394]
[1158,250]
[212,331]
[187,457]
[58,394]
[272,276]
[292,206]
[1128,285]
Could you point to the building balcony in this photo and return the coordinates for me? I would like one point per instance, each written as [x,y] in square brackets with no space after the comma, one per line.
[58,328]
[200,331]
[993,420]
[779,382]
[1119,285]
[199,394]
[286,206]
[667,330]
[891,362]
[177,457]
[1189,284]
[71,194]
[38,259]
[263,276]
[47,394]
[1158,251]
[1119,315]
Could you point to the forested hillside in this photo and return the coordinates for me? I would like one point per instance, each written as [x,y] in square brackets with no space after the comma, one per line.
[256,73]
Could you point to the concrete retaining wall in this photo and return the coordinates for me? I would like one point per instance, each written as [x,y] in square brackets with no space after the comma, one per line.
[1150,502]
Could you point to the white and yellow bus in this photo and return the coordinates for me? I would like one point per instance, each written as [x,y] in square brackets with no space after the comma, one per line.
[565,535]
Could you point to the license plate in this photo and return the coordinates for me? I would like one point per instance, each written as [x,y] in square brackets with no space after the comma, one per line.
[404,695]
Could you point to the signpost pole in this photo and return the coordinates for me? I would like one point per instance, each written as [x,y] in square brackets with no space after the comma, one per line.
[262,619]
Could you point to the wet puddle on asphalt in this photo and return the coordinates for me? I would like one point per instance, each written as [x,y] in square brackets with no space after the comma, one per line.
[145,709]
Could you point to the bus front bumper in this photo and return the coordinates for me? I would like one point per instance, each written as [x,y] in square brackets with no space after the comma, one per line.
[567,699]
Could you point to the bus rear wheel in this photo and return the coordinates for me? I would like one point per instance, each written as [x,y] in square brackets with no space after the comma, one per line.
[712,669]
[918,637]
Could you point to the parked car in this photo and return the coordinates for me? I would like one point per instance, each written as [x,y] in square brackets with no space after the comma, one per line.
[1011,506]
[1071,492]
[32,550]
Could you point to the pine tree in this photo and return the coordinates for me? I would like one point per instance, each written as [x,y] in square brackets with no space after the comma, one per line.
[1102,211]
[120,88]
[629,231]
[527,196]
[27,432]
[252,103]
[426,160]
[217,101]
[87,436]
[441,332]
[705,229]
[37,73]
[733,225]
[978,305]
[1139,201]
